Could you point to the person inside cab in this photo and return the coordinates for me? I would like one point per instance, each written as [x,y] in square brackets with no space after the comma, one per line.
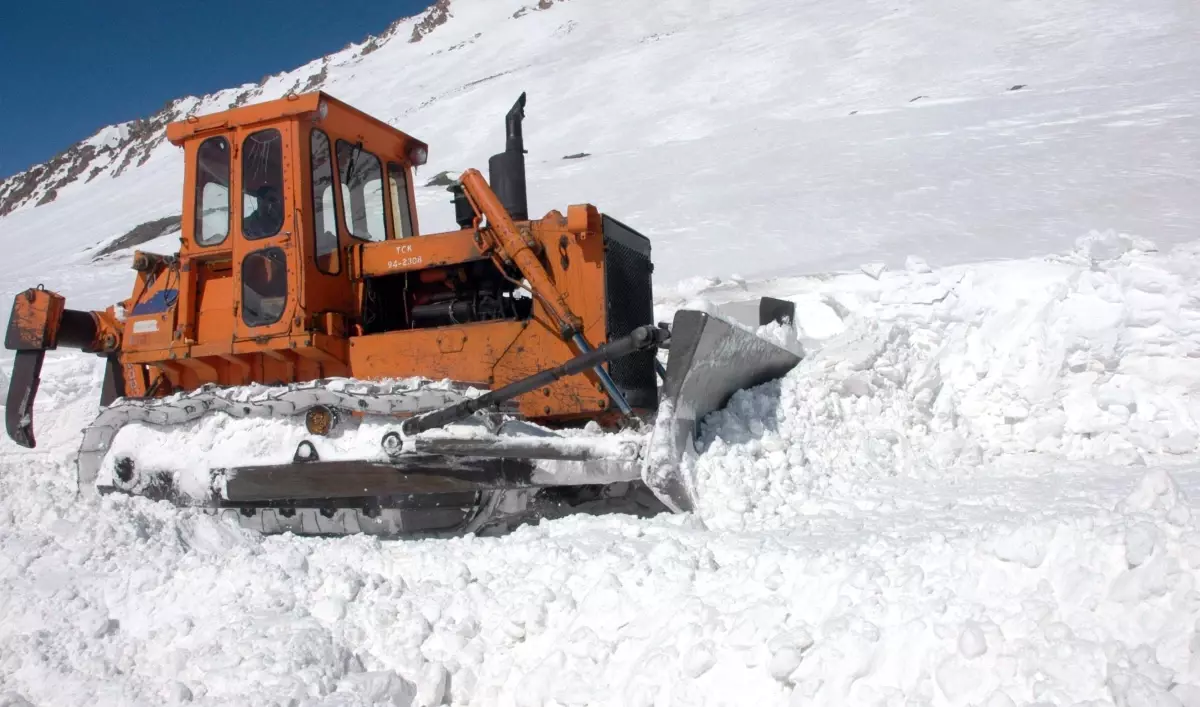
[267,217]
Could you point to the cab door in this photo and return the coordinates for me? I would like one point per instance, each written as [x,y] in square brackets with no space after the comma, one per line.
[266,272]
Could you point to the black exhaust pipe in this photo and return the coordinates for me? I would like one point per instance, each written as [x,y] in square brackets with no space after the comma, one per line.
[507,169]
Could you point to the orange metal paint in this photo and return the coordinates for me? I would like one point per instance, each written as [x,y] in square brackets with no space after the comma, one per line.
[415,254]
[583,218]
[36,315]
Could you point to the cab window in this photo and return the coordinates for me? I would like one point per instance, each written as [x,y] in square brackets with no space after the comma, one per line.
[262,184]
[212,191]
[401,214]
[362,192]
[325,230]
[264,286]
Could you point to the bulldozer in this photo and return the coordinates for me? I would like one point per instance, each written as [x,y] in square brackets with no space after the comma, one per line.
[390,381]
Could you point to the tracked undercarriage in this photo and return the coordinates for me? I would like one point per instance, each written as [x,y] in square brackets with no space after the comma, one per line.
[310,483]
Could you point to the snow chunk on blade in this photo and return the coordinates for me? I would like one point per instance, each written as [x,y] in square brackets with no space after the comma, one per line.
[711,359]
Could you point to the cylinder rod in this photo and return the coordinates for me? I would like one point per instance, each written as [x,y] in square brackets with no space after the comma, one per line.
[606,380]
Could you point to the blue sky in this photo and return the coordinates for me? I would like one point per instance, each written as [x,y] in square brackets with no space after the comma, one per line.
[70,67]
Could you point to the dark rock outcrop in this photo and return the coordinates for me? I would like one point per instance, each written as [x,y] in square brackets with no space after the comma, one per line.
[434,17]
[41,184]
[541,5]
[141,234]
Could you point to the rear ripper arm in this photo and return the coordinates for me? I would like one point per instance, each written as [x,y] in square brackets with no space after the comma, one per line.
[41,322]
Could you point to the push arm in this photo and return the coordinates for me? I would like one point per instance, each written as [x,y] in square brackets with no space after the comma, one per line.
[508,243]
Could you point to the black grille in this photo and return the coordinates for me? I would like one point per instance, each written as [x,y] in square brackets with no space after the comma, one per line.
[630,304]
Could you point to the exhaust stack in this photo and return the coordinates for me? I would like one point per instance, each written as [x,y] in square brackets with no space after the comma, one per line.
[506,171]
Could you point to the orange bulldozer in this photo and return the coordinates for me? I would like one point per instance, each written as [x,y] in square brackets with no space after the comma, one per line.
[310,361]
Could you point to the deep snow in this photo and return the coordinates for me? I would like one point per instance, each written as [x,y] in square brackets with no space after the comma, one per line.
[968,493]
[977,489]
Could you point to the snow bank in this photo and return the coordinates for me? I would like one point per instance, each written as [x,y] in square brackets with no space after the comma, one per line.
[915,515]
[927,593]
[1090,356]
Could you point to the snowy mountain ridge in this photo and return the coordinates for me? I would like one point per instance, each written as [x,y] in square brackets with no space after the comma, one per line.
[877,125]
[115,148]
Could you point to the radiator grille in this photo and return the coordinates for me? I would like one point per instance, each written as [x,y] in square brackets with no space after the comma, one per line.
[630,304]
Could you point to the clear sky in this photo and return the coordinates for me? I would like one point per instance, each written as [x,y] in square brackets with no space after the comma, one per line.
[70,67]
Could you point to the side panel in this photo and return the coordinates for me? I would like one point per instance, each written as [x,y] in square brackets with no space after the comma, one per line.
[150,321]
[215,290]
[412,254]
[467,353]
[575,264]
[487,355]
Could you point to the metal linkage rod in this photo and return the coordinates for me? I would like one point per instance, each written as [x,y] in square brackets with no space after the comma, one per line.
[639,339]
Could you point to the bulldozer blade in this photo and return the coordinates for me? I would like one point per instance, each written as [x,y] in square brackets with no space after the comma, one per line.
[18,408]
[710,360]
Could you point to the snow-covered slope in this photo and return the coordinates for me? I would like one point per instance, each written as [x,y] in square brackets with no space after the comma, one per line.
[975,490]
[755,136]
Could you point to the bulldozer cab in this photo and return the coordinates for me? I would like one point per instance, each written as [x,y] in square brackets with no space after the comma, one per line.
[275,196]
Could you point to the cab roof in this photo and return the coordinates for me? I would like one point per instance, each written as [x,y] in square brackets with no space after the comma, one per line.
[295,104]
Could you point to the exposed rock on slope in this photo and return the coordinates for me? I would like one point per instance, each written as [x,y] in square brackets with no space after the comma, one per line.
[140,234]
[114,149]
[434,17]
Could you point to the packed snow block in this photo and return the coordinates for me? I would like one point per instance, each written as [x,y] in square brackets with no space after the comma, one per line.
[711,359]
[1157,495]
[382,687]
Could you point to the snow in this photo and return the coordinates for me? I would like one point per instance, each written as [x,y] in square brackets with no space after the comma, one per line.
[870,543]
[978,487]
[1078,357]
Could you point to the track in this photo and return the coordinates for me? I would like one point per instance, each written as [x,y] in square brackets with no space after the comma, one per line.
[189,477]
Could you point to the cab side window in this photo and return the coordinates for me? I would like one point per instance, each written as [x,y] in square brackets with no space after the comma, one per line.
[401,214]
[212,192]
[362,192]
[262,184]
[325,230]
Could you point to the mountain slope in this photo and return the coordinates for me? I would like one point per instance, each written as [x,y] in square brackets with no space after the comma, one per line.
[755,138]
